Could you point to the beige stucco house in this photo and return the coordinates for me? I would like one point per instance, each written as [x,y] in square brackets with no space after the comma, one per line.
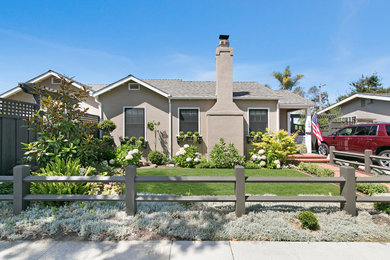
[366,107]
[215,109]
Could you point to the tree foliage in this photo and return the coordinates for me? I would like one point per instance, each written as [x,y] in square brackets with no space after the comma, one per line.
[287,82]
[59,126]
[366,84]
[313,94]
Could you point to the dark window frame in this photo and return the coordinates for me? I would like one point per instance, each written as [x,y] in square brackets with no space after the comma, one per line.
[125,124]
[258,108]
[179,120]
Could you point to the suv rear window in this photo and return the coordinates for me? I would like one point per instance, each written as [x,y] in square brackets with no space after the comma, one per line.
[388,130]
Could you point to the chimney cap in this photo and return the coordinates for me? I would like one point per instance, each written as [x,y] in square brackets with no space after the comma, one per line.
[223,37]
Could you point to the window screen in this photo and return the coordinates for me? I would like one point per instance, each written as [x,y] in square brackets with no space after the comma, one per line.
[188,120]
[258,120]
[135,122]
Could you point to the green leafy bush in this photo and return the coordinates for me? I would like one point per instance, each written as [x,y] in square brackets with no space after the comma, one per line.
[157,157]
[108,140]
[6,188]
[272,150]
[315,169]
[226,156]
[60,130]
[127,154]
[107,126]
[187,156]
[371,188]
[308,220]
[61,167]
[205,165]
[382,206]
[250,165]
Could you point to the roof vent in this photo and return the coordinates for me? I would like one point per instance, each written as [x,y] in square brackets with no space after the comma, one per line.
[223,40]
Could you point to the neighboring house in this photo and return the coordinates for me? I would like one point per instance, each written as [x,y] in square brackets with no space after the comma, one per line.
[215,109]
[366,107]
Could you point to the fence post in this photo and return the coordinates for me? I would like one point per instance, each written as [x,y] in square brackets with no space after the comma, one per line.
[367,160]
[21,188]
[239,172]
[331,155]
[348,190]
[131,190]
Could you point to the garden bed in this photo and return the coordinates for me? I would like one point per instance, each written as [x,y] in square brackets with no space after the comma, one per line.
[194,221]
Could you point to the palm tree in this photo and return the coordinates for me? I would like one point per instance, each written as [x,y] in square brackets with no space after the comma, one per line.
[285,79]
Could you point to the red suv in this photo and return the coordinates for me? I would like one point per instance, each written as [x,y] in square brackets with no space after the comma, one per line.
[357,138]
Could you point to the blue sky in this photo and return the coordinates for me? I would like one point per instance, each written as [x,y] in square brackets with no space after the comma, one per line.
[330,42]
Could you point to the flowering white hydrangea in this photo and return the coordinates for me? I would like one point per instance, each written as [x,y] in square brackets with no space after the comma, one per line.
[254,157]
[278,166]
[277,162]
[129,156]
[186,146]
[196,159]
[112,161]
[262,163]
[188,159]
[198,155]
[134,151]
[261,151]
[263,157]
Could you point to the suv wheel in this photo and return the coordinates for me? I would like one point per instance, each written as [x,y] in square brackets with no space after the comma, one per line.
[384,163]
[323,149]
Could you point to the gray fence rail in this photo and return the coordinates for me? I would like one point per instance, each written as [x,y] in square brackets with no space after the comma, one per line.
[21,189]
[366,156]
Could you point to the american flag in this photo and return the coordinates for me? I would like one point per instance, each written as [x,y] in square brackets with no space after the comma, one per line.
[316,128]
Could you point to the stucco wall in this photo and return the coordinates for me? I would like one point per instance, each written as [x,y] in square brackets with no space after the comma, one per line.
[283,119]
[204,106]
[156,108]
[90,103]
[378,110]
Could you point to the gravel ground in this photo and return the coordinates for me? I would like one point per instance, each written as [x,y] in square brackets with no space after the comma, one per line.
[191,221]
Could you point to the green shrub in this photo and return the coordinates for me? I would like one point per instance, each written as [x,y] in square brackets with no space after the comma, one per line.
[61,167]
[250,165]
[226,156]
[108,140]
[187,156]
[127,154]
[189,133]
[308,220]
[383,206]
[6,188]
[107,126]
[315,169]
[205,165]
[157,157]
[60,130]
[274,146]
[371,188]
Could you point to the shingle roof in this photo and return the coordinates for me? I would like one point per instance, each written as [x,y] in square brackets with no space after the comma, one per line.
[288,97]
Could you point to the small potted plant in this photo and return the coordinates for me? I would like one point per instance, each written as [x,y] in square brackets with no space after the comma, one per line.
[180,137]
[197,137]
[189,137]
[133,139]
[144,143]
[250,137]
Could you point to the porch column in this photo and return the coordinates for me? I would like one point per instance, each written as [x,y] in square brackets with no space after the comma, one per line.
[308,130]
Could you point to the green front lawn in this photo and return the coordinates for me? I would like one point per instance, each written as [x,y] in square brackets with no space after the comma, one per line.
[281,189]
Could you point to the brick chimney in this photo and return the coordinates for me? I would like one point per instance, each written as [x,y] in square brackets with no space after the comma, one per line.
[224,80]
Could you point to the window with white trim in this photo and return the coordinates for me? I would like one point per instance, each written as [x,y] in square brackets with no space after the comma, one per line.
[55,80]
[133,86]
[189,120]
[135,122]
[258,120]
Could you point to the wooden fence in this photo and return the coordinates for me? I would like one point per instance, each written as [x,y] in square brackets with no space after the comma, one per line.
[13,131]
[347,180]
[366,156]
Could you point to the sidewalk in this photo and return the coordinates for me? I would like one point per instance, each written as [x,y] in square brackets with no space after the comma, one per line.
[165,249]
